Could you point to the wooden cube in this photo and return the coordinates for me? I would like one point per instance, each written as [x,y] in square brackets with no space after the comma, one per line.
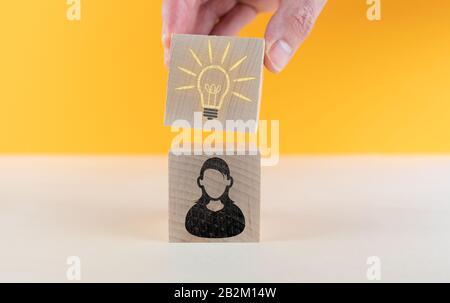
[214,198]
[218,76]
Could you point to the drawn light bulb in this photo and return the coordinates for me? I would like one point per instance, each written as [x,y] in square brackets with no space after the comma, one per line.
[213,82]
[213,85]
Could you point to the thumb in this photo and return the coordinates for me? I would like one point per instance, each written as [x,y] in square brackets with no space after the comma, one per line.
[288,28]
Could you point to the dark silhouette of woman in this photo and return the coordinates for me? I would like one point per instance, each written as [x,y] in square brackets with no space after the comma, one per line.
[226,222]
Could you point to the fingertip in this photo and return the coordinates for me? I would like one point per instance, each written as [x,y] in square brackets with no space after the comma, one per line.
[269,65]
[165,39]
[166,57]
[278,55]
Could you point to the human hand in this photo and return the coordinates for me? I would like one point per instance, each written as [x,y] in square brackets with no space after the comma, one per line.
[286,31]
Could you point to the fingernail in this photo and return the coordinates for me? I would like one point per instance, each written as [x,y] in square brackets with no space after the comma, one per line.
[279,54]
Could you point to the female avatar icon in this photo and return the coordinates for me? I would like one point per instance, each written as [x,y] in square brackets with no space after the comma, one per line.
[215,181]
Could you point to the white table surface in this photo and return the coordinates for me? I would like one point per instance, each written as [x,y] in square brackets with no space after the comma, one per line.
[322,217]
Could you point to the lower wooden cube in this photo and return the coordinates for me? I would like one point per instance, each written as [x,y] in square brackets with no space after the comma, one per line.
[214,198]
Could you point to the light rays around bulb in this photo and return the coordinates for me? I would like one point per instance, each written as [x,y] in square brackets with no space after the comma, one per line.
[225,53]
[210,52]
[239,62]
[185,87]
[225,65]
[196,57]
[240,96]
[187,71]
[244,79]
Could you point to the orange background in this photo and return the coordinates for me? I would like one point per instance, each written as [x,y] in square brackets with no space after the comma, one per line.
[98,85]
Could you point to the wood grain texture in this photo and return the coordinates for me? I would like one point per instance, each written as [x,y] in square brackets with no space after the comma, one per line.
[218,76]
[189,214]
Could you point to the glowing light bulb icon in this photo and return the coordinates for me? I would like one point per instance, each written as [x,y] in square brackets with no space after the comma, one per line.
[214,82]
[212,93]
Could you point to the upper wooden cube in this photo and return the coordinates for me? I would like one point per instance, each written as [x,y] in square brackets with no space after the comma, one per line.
[220,77]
